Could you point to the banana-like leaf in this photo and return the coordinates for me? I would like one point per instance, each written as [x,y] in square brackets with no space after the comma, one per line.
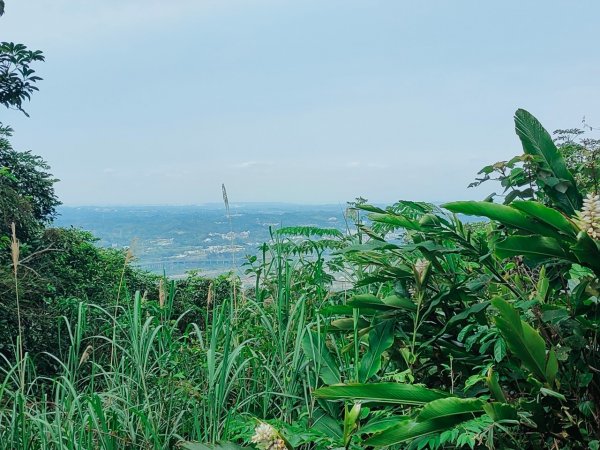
[389,303]
[450,406]
[522,340]
[533,247]
[504,214]
[411,429]
[538,142]
[549,216]
[398,393]
[316,350]
[500,411]
[381,338]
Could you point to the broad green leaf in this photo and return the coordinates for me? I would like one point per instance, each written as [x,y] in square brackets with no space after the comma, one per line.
[372,302]
[347,324]
[547,215]
[326,425]
[381,337]
[587,253]
[398,393]
[500,411]
[380,424]
[504,214]
[399,302]
[316,350]
[522,340]
[494,386]
[533,247]
[538,142]
[411,429]
[450,406]
[551,367]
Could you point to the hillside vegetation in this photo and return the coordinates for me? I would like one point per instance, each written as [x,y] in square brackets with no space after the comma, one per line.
[478,335]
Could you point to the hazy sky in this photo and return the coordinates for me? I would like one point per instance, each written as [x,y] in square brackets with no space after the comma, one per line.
[319,101]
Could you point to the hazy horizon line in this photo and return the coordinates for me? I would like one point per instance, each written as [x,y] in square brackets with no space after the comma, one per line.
[231,204]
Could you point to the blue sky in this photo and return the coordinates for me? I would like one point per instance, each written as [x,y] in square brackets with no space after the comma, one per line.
[156,102]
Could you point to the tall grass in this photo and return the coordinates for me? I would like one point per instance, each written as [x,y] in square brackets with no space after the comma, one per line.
[145,382]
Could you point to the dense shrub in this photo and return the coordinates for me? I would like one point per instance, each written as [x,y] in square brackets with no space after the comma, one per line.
[59,269]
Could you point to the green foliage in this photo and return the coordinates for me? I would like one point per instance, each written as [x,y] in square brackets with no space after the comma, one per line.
[28,198]
[507,376]
[524,342]
[17,78]
[448,335]
[57,271]
[551,174]
[197,294]
[582,156]
[405,394]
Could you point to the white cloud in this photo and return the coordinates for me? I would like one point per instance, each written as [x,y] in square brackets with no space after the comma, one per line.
[251,164]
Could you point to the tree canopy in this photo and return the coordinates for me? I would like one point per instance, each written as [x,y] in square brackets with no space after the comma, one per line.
[27,195]
[26,188]
[17,78]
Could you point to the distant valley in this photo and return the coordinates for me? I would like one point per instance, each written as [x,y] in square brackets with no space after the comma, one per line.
[177,239]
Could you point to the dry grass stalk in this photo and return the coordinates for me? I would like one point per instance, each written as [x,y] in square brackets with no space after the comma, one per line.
[86,355]
[14,248]
[209,295]
[15,251]
[128,259]
[161,293]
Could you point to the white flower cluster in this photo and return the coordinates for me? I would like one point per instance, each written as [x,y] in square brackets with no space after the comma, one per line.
[267,438]
[589,216]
